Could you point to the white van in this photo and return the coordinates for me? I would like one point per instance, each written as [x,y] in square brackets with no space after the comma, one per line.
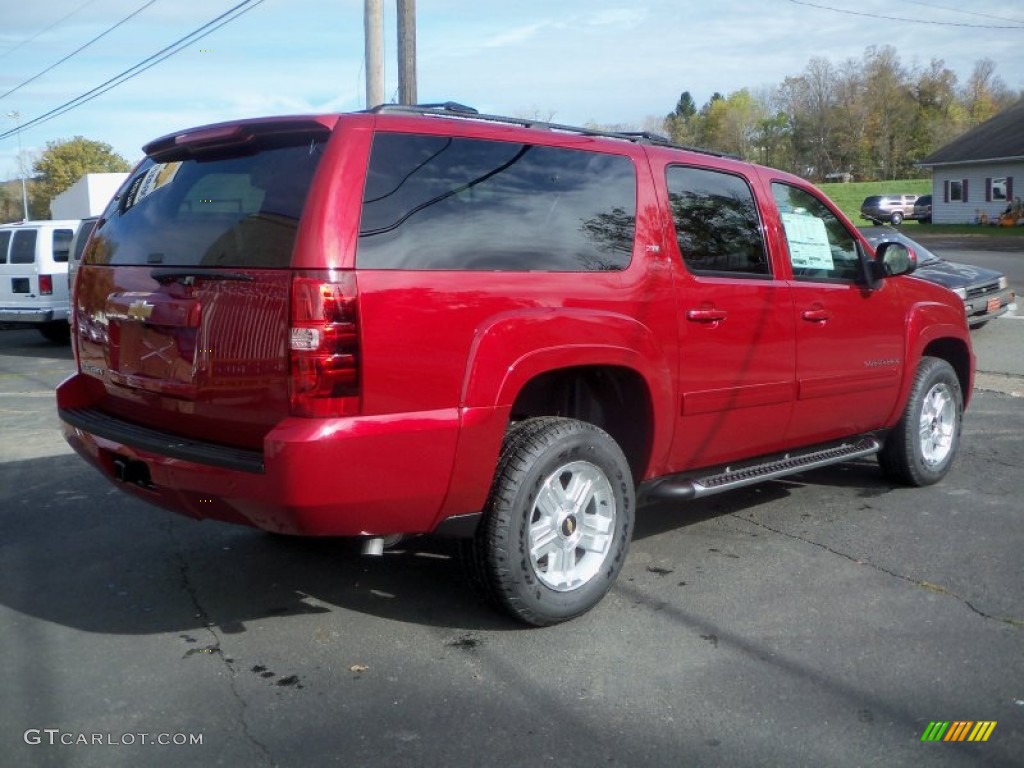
[34,275]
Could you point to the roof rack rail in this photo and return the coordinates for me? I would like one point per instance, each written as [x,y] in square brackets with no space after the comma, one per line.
[457,110]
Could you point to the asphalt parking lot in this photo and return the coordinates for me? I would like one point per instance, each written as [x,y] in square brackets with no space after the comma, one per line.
[823,620]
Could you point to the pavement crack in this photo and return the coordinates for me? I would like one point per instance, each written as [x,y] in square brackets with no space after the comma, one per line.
[210,626]
[937,588]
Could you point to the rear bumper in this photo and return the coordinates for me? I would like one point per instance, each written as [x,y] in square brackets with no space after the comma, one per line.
[31,316]
[363,476]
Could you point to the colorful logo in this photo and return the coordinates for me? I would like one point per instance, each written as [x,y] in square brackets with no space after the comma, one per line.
[958,730]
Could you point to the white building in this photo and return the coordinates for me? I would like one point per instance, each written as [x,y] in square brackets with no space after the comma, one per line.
[86,197]
[976,176]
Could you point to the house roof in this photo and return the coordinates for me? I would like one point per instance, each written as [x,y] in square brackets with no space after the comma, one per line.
[999,138]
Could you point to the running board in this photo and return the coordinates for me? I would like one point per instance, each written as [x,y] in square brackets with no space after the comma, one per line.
[694,485]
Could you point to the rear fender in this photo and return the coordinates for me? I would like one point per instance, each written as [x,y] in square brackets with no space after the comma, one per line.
[515,347]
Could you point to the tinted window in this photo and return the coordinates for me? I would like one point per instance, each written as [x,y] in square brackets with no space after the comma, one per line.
[5,241]
[216,212]
[820,246]
[84,230]
[62,243]
[446,203]
[716,222]
[23,247]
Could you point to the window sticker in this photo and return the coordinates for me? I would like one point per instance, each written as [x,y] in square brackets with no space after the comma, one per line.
[156,177]
[808,242]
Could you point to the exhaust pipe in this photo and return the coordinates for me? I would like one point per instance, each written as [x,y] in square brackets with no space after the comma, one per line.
[375,547]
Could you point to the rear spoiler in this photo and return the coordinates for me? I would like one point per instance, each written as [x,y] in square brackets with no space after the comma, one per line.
[239,135]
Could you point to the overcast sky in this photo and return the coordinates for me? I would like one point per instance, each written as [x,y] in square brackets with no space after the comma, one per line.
[573,61]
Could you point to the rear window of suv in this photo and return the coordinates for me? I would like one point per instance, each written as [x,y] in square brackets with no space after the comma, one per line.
[444,203]
[221,211]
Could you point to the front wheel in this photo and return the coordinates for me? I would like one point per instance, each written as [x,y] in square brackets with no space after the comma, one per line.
[920,449]
[558,522]
[897,219]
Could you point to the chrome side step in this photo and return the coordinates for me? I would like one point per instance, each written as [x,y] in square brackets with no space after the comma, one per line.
[694,485]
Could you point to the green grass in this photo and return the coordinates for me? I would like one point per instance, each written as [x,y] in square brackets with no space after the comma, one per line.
[849,196]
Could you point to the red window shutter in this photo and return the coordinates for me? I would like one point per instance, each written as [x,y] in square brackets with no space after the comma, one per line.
[965,190]
[988,189]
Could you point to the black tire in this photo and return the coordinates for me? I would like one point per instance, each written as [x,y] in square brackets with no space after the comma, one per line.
[538,458]
[896,219]
[56,332]
[918,456]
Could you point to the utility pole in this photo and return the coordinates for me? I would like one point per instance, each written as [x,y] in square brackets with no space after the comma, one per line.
[21,164]
[373,24]
[407,51]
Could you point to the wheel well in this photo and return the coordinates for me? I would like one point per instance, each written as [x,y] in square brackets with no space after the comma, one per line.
[612,398]
[955,353]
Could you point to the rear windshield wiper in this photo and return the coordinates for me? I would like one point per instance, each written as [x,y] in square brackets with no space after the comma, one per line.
[189,276]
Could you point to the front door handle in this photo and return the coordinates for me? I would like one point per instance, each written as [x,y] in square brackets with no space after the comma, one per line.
[817,315]
[706,315]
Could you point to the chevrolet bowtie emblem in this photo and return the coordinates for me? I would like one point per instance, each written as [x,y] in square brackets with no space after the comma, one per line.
[140,310]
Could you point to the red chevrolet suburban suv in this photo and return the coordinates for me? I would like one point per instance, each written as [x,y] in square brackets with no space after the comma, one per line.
[423,320]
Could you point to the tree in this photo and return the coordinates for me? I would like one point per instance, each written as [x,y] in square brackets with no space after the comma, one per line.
[985,93]
[680,122]
[64,162]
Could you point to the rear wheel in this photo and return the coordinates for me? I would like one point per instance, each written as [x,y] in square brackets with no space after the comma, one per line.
[57,332]
[558,521]
[920,449]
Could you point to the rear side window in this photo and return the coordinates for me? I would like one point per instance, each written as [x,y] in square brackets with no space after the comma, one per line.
[62,244]
[5,242]
[23,246]
[716,222]
[84,230]
[220,211]
[435,202]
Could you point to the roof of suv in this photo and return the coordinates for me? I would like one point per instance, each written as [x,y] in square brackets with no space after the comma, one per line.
[209,137]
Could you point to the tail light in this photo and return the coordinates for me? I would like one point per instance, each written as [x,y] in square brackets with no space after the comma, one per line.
[46,285]
[324,344]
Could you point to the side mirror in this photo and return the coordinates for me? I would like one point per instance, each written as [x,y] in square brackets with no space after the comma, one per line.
[893,259]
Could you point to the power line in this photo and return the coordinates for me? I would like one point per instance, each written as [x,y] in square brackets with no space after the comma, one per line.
[176,47]
[905,20]
[961,10]
[43,31]
[78,50]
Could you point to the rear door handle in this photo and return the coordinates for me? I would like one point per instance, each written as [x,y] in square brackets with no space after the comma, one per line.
[818,315]
[706,315]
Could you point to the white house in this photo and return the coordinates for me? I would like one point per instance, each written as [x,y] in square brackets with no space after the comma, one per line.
[976,176]
[86,197]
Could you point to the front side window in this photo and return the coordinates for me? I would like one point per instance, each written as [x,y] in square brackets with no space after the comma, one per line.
[23,246]
[820,246]
[232,210]
[716,222]
[445,203]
